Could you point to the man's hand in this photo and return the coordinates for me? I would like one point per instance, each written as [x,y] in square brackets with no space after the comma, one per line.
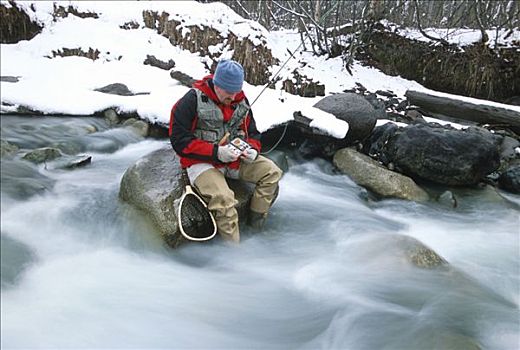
[249,155]
[227,153]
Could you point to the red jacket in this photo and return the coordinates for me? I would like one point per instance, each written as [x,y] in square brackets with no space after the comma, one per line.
[183,120]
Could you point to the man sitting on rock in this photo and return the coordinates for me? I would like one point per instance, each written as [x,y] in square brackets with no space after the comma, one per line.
[203,124]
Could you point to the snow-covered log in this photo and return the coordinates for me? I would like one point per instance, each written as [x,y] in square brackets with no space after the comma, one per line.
[465,110]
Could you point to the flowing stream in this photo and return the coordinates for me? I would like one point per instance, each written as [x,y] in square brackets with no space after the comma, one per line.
[81,269]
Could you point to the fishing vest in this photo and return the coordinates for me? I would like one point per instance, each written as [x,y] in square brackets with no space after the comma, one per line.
[210,124]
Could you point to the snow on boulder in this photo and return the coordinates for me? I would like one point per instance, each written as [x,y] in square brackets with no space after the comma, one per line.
[360,115]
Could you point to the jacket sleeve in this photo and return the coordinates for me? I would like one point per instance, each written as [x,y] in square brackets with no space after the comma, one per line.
[183,119]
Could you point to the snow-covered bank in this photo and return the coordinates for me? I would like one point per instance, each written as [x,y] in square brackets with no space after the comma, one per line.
[64,85]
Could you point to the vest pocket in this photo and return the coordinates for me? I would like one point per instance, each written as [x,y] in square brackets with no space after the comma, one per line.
[208,135]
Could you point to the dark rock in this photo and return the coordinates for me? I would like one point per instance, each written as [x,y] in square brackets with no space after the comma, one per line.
[350,91]
[385,93]
[377,141]
[379,106]
[63,12]
[72,162]
[391,103]
[92,54]
[184,79]
[360,87]
[510,180]
[9,79]
[414,115]
[355,110]
[154,62]
[130,25]
[443,154]
[508,147]
[118,89]
[115,89]
[312,148]
[401,106]
[158,131]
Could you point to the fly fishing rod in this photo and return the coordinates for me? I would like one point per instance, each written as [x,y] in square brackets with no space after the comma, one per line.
[272,80]
[291,55]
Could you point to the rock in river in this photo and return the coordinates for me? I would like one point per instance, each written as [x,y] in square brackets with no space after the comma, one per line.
[154,183]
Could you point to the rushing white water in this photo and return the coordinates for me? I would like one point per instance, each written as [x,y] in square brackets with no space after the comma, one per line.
[329,271]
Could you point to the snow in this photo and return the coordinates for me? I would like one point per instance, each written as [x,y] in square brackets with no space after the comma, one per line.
[65,85]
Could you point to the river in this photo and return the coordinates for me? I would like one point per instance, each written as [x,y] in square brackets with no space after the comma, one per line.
[81,269]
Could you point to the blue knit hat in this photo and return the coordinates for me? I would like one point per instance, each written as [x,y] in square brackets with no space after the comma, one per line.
[229,76]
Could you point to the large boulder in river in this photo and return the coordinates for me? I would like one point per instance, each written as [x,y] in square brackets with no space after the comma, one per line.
[154,183]
[440,154]
[355,110]
[368,173]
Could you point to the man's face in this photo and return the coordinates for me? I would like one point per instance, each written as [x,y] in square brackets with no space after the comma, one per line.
[224,96]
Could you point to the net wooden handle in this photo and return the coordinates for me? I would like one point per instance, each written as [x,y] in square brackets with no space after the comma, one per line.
[223,139]
[189,190]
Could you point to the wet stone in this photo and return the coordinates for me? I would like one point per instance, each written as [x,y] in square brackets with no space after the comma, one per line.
[7,149]
[42,155]
[22,180]
[15,258]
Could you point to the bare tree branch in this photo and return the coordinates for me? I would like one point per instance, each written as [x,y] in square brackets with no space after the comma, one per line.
[418,16]
[485,37]
[289,10]
[243,9]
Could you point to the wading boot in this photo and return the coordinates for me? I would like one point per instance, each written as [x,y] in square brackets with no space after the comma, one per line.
[256,220]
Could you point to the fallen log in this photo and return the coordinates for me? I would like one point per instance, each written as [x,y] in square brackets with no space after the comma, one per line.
[464,110]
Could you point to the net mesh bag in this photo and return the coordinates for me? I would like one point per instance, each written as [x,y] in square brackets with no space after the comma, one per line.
[195,220]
